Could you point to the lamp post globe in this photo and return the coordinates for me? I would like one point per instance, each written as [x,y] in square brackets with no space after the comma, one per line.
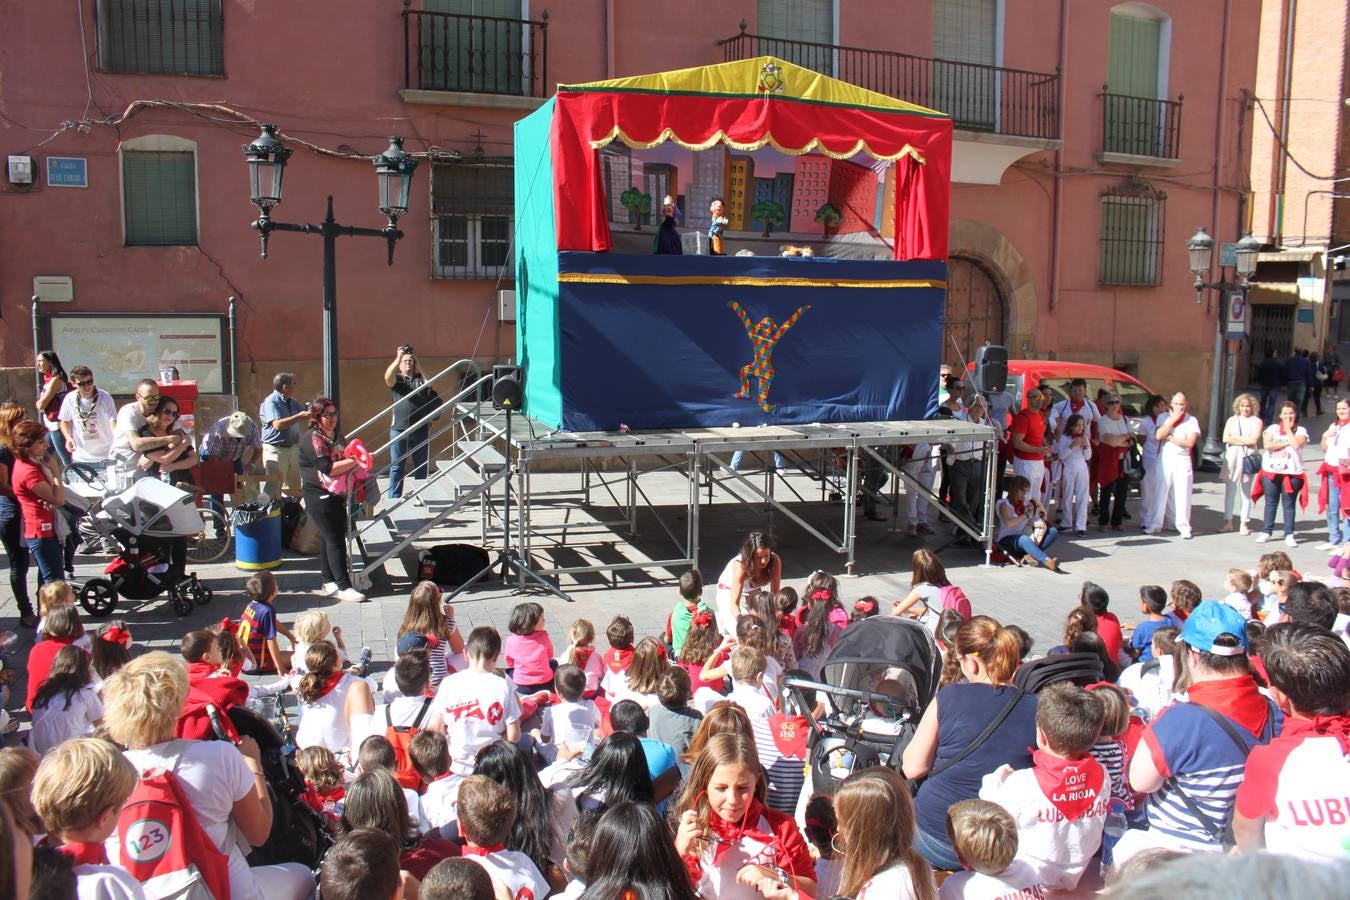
[266,158]
[394,168]
[1200,251]
[1246,251]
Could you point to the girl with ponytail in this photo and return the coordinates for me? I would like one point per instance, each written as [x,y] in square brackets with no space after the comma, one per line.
[950,746]
[334,704]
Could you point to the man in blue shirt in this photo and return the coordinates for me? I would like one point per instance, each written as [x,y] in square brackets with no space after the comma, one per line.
[1298,374]
[281,416]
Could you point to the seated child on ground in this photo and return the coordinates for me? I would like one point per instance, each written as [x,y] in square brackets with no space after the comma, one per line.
[324,781]
[1185,598]
[476,706]
[529,650]
[486,813]
[1148,683]
[50,596]
[1116,744]
[821,827]
[672,720]
[582,654]
[573,722]
[1238,584]
[312,626]
[377,753]
[1152,603]
[408,711]
[78,791]
[984,836]
[456,879]
[578,851]
[1060,802]
[618,657]
[690,602]
[431,757]
[259,627]
[362,865]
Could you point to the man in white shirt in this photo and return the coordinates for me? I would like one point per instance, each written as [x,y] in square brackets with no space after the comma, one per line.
[86,416]
[1176,434]
[1076,404]
[128,445]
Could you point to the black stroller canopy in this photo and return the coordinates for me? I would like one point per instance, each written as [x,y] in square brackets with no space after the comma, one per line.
[885,640]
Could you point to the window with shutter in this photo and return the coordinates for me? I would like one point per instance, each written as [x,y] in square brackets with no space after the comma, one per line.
[1131,238]
[807,21]
[966,31]
[162,37]
[472,221]
[159,198]
[475,49]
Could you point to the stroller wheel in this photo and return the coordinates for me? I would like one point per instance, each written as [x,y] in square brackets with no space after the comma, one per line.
[200,593]
[98,597]
[180,601]
[212,541]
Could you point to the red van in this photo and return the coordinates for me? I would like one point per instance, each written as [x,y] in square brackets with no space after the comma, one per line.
[1025,374]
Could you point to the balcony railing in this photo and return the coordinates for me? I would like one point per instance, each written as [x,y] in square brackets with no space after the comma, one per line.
[977,97]
[1140,126]
[475,54]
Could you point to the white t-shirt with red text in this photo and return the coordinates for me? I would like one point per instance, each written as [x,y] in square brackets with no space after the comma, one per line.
[513,869]
[1057,848]
[1017,882]
[440,803]
[476,708]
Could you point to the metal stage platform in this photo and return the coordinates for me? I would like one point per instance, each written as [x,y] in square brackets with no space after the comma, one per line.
[834,455]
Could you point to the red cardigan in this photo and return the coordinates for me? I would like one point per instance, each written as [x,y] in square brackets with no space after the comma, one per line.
[40,665]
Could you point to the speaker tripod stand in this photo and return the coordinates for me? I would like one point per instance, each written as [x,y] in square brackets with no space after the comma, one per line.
[508,560]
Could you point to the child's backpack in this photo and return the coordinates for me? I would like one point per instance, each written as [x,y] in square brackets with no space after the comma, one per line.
[955,598]
[163,845]
[400,736]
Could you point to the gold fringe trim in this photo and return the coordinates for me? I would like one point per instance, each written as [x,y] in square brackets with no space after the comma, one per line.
[749,280]
[720,137]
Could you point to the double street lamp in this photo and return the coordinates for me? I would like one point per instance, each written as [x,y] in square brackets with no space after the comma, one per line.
[1200,250]
[266,158]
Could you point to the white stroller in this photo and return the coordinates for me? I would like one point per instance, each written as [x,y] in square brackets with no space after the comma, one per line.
[155,526]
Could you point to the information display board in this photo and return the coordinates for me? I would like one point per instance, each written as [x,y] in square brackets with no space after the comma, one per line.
[123,349]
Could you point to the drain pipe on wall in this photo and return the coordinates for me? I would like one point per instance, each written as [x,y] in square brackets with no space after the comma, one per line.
[1218,390]
[1286,87]
[1057,213]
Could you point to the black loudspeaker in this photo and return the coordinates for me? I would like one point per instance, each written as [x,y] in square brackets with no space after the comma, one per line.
[507,391]
[991,368]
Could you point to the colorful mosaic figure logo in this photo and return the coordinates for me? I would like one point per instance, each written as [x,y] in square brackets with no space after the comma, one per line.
[763,336]
[771,79]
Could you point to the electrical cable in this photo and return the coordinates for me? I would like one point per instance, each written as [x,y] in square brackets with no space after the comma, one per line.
[1275,133]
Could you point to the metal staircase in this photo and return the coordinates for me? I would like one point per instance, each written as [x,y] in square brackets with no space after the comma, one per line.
[464,473]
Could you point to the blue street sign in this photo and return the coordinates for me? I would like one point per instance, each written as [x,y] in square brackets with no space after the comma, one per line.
[67,171]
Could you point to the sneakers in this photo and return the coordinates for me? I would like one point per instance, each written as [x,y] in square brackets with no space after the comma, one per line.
[1262,538]
[1052,563]
[350,595]
[328,588]
[1290,540]
[1244,530]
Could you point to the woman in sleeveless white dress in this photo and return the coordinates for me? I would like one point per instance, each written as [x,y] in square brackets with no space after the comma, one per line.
[757,567]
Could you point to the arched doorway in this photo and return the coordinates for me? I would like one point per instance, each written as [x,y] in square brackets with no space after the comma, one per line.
[974,310]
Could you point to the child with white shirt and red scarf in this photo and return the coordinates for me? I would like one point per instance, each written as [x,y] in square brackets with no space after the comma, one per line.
[734,847]
[1060,803]
[486,813]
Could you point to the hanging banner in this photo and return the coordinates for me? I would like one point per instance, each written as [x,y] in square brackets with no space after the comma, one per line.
[675,342]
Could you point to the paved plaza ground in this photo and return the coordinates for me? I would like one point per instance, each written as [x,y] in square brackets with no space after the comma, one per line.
[1034,598]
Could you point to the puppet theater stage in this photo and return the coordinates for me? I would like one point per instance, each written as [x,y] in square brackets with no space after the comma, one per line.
[686,359]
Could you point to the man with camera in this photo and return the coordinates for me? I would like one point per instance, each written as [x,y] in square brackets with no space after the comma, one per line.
[408,434]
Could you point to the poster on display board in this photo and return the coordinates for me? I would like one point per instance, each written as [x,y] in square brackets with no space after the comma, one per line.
[123,349]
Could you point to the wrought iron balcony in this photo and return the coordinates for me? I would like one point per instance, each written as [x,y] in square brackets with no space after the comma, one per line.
[475,54]
[977,97]
[1140,126]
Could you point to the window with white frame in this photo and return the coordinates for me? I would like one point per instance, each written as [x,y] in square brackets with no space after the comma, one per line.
[163,37]
[472,226]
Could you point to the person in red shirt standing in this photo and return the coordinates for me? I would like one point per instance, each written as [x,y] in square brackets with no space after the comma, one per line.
[1027,435]
[37,486]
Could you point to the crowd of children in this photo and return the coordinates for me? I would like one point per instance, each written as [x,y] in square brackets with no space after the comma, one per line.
[678,765]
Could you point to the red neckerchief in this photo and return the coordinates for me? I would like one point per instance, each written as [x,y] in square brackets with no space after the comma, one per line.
[581,656]
[1071,785]
[619,660]
[1319,726]
[202,670]
[731,833]
[472,849]
[85,854]
[1073,408]
[1237,698]
[334,795]
[1019,507]
[444,776]
[328,685]
[790,734]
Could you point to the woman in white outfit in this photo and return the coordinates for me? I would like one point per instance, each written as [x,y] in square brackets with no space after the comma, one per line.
[757,567]
[1282,476]
[1336,443]
[334,704]
[223,784]
[1073,449]
[1150,488]
[1177,433]
[924,467]
[1241,435]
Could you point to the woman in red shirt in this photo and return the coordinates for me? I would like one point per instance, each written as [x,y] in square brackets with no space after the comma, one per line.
[38,488]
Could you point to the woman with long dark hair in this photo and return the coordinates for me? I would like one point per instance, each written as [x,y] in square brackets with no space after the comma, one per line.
[321,454]
[55,384]
[617,772]
[533,833]
[757,566]
[633,855]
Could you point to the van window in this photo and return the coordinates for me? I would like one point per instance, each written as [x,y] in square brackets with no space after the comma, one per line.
[1133,398]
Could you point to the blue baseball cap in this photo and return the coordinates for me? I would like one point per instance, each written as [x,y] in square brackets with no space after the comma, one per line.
[1211,619]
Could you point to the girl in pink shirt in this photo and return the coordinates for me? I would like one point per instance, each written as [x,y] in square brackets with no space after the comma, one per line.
[529,650]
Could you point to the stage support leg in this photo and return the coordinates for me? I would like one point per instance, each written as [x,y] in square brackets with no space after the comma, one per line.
[632,496]
[851,508]
[990,490]
[691,547]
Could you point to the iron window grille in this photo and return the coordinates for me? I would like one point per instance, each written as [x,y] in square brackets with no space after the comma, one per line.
[472,221]
[1132,235]
[161,37]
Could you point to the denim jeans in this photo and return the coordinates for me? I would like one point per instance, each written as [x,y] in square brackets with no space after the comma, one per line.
[1273,489]
[1023,545]
[407,450]
[740,454]
[1335,530]
[936,850]
[57,442]
[11,533]
[50,558]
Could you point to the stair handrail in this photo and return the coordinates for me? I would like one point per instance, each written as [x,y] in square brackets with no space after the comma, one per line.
[388,410]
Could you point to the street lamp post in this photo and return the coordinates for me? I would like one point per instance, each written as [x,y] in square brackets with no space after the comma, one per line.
[1200,251]
[266,158]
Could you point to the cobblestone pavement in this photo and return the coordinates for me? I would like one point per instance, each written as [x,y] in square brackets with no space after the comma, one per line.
[1034,598]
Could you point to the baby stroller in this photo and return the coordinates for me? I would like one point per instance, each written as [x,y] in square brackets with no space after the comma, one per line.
[879,678]
[151,523]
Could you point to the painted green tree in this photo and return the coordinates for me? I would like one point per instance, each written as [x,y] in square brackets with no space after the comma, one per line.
[770,213]
[638,205]
[830,217]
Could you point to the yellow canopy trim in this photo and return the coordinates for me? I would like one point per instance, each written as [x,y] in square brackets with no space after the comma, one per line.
[763,76]
[749,280]
[813,146]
